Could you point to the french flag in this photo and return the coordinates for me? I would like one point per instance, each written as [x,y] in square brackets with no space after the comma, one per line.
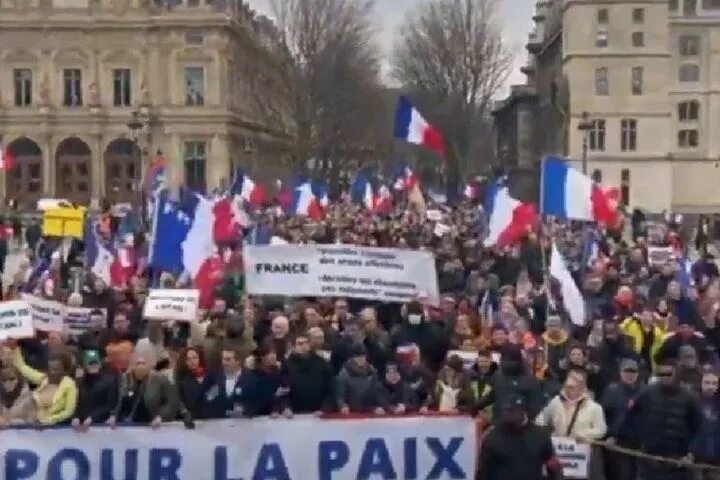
[404,179]
[310,200]
[244,187]
[509,218]
[361,190]
[411,127]
[570,195]
[383,201]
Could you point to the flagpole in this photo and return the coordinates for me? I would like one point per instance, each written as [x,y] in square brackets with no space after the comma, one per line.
[541,232]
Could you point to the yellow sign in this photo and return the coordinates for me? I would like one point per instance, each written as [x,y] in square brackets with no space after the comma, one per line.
[64,222]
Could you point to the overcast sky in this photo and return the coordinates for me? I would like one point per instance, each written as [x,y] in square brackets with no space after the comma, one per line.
[515,15]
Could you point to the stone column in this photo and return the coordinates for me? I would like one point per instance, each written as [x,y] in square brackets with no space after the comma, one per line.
[48,151]
[175,158]
[218,165]
[97,173]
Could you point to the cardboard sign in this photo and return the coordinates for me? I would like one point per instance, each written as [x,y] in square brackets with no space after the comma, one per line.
[658,256]
[47,315]
[64,222]
[15,320]
[171,304]
[574,456]
[78,319]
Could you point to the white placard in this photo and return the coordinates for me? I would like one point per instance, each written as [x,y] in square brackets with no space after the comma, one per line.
[262,448]
[574,456]
[434,215]
[658,256]
[78,319]
[47,315]
[385,274]
[171,304]
[15,320]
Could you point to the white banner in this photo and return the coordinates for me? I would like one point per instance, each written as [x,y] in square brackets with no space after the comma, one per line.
[15,320]
[47,315]
[171,304]
[385,274]
[304,448]
[574,456]
[79,319]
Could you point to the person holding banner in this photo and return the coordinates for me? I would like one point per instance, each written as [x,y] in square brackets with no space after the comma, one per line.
[99,387]
[56,394]
[17,406]
[145,397]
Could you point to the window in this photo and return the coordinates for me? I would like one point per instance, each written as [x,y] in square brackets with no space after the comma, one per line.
[601,39]
[625,186]
[193,3]
[673,7]
[22,79]
[689,72]
[711,4]
[194,86]
[122,87]
[689,7]
[596,136]
[601,82]
[628,135]
[638,39]
[72,87]
[638,15]
[688,138]
[596,175]
[689,45]
[195,165]
[603,18]
[194,38]
[637,80]
[688,111]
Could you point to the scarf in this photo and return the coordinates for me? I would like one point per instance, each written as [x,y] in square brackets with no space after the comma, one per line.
[198,372]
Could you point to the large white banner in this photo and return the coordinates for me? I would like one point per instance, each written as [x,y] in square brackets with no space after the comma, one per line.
[304,448]
[385,274]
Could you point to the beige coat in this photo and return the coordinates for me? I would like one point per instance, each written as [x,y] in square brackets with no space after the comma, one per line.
[22,411]
[590,423]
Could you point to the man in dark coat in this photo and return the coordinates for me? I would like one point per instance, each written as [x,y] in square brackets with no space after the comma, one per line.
[98,392]
[309,378]
[516,448]
[513,380]
[670,417]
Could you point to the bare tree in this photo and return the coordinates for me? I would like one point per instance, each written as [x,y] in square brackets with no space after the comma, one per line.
[329,70]
[451,56]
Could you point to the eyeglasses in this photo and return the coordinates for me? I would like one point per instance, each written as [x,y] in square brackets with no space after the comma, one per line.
[630,370]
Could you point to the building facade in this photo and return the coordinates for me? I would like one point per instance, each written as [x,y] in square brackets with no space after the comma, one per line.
[634,85]
[92,90]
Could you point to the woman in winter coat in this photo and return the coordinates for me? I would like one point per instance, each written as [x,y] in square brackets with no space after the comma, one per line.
[190,377]
[572,413]
[16,402]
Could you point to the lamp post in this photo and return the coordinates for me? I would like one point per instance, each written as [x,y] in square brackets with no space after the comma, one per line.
[585,126]
[138,130]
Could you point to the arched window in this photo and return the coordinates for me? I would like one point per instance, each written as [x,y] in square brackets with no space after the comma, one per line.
[122,170]
[72,171]
[24,181]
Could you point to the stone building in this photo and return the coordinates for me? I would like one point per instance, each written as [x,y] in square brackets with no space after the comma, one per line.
[631,86]
[91,90]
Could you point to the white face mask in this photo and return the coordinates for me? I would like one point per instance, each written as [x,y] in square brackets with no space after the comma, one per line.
[415,319]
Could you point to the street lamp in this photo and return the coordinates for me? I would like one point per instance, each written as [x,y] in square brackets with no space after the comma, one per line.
[585,126]
[138,128]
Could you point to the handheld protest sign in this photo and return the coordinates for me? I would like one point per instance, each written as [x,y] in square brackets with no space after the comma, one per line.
[15,320]
[172,304]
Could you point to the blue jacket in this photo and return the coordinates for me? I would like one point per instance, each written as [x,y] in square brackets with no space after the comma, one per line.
[262,392]
[706,444]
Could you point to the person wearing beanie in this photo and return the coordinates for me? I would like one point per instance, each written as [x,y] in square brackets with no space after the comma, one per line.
[516,448]
[358,388]
[512,379]
[556,343]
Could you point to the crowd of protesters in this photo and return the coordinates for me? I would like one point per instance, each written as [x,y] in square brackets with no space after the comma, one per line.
[641,373]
